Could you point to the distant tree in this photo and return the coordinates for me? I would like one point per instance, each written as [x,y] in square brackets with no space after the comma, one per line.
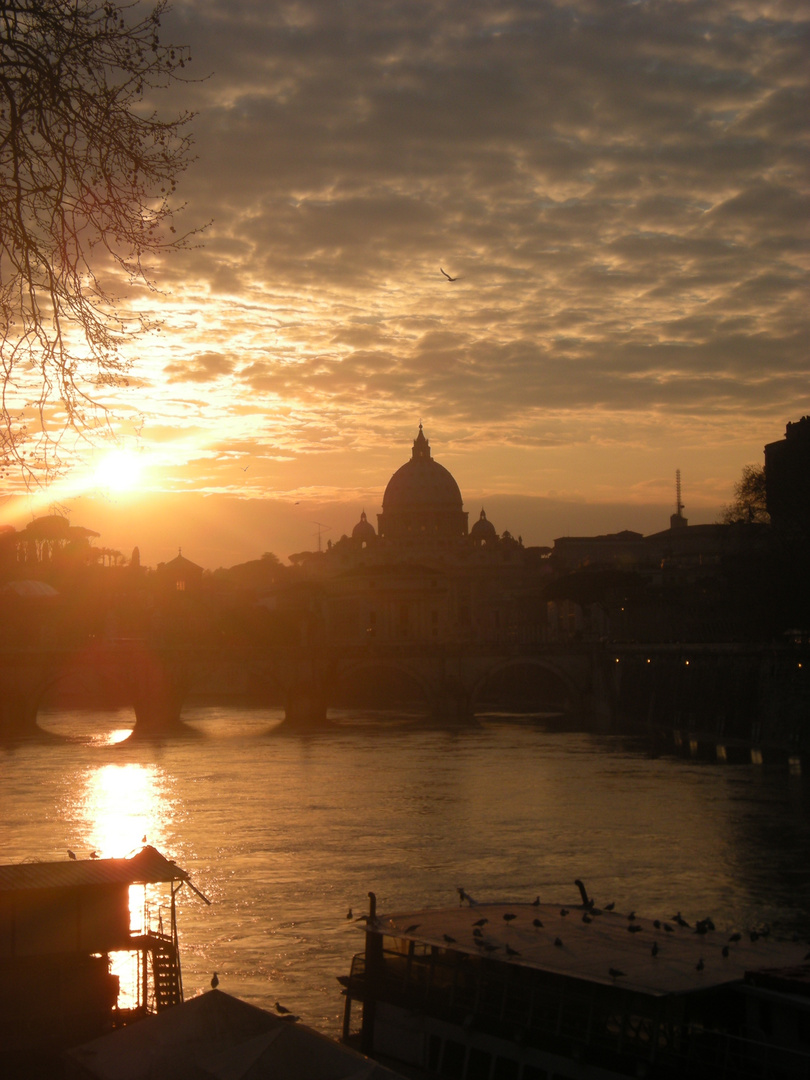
[749,503]
[87,176]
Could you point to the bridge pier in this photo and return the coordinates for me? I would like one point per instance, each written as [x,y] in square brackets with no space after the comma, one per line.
[452,705]
[18,713]
[305,707]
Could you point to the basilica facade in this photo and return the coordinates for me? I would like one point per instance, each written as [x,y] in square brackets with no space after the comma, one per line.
[423,574]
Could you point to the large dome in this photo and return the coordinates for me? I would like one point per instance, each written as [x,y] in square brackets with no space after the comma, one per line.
[422,504]
[421,483]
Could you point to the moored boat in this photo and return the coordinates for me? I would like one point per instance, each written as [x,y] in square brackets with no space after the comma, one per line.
[531,991]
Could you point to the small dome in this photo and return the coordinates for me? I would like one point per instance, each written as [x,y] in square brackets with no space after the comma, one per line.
[421,483]
[363,532]
[483,531]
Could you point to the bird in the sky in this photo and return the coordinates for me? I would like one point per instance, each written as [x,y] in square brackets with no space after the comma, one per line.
[215,981]
[447,275]
[71,854]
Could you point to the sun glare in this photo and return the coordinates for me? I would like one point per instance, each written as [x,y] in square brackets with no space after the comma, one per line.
[120,470]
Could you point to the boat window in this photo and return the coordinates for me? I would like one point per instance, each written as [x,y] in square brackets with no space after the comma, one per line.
[532,1072]
[453,1060]
[479,1062]
[505,1069]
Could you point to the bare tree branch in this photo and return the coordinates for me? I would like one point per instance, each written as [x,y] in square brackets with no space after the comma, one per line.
[88,175]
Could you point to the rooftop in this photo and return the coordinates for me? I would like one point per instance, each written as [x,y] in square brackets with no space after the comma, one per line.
[652,957]
[146,867]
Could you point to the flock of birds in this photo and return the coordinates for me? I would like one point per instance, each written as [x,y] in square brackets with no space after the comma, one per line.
[590,912]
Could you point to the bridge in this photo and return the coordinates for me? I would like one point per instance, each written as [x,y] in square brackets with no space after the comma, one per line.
[447,680]
[754,693]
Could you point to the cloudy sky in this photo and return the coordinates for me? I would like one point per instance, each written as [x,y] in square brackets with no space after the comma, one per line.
[619,190]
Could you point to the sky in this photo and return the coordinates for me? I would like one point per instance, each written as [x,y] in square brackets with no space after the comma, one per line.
[620,191]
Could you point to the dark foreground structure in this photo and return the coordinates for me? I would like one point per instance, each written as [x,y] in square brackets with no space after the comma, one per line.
[60,923]
[218,1037]
[535,991]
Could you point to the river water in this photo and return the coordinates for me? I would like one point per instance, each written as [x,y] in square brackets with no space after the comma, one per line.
[284,832]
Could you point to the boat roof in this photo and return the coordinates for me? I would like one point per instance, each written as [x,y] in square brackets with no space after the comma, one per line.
[147,867]
[602,950]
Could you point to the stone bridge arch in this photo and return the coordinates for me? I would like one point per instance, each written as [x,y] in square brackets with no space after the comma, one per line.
[400,675]
[563,691]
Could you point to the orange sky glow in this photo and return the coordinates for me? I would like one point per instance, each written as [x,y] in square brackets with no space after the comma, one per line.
[620,191]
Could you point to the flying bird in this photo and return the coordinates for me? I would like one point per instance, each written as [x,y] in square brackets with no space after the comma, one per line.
[447,275]
[71,855]
[215,981]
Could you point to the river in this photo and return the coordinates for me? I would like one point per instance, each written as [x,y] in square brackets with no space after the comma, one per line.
[285,833]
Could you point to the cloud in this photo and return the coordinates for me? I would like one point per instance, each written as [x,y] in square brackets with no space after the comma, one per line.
[620,189]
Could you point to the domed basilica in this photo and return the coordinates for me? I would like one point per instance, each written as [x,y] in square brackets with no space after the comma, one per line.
[423,518]
[421,574]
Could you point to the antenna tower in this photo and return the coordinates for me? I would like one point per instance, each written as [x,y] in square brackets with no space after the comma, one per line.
[678,504]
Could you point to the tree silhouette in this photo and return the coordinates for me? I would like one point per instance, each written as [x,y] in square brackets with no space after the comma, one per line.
[749,503]
[88,172]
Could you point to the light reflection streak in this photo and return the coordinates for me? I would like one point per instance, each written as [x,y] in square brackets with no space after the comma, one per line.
[122,804]
[125,805]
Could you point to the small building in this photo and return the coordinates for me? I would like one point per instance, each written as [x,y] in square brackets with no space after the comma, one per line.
[59,924]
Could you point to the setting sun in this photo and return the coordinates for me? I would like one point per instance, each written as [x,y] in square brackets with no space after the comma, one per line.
[120,470]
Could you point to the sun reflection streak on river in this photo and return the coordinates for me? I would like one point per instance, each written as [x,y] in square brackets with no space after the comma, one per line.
[123,805]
